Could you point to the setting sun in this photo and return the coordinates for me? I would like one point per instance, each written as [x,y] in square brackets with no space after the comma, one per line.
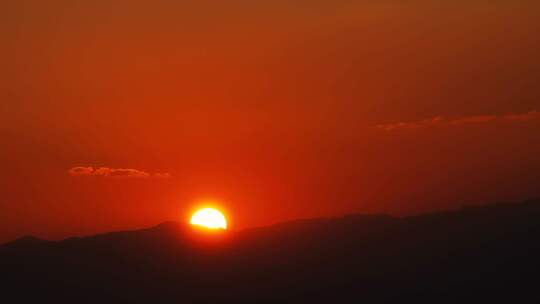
[209,218]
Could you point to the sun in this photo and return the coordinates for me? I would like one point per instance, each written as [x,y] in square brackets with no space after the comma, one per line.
[209,218]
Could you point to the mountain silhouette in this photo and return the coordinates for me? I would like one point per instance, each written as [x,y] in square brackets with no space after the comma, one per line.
[486,254]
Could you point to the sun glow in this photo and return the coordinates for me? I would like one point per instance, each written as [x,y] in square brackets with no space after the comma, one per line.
[209,218]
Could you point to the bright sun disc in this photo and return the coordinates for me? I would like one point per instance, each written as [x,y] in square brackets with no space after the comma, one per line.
[209,218]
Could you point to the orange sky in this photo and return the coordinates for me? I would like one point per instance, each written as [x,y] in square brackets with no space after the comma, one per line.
[279,109]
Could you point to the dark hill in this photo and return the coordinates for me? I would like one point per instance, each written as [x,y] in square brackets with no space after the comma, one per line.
[476,255]
[25,241]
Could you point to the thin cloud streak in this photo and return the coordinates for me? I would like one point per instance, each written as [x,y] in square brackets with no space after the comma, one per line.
[113,173]
[460,121]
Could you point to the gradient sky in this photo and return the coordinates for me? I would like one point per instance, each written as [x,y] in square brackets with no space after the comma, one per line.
[123,114]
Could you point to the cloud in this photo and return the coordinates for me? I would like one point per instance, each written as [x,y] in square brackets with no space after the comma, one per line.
[114,173]
[80,171]
[460,121]
[532,115]
[411,125]
[472,119]
[162,175]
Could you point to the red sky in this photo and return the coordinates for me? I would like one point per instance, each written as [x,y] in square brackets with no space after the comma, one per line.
[277,109]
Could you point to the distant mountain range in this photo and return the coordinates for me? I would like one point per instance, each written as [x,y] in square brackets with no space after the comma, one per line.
[488,254]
